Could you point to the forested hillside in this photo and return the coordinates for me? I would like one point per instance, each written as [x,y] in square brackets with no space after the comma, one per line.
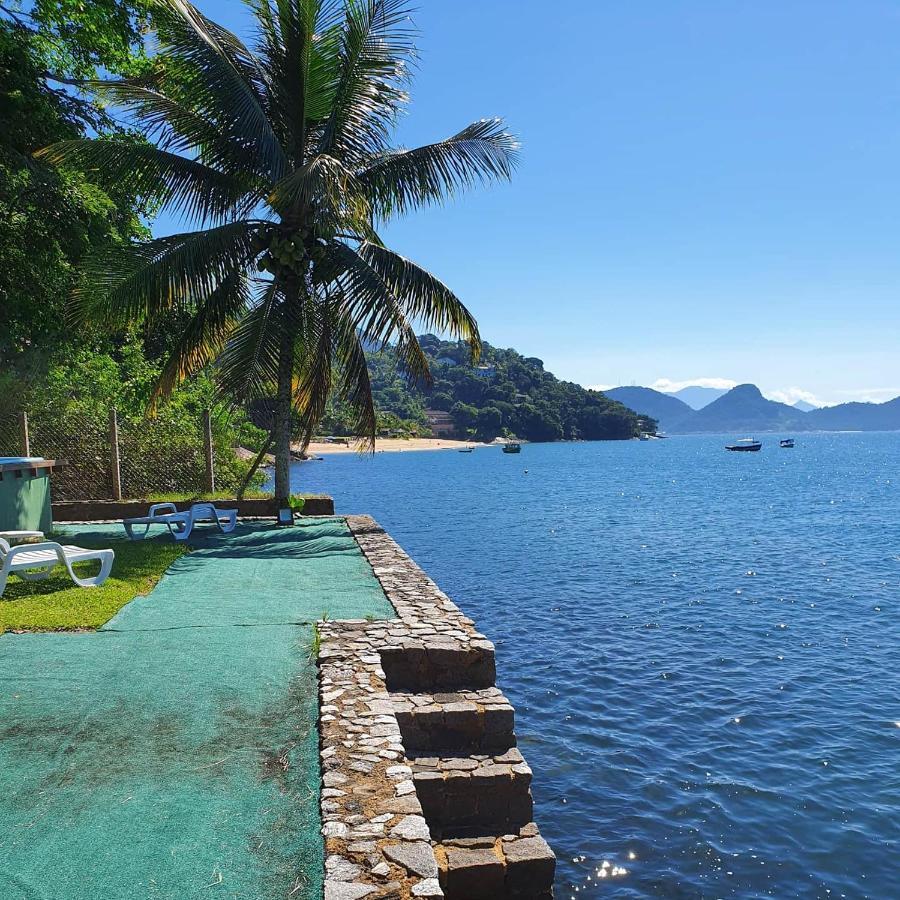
[504,394]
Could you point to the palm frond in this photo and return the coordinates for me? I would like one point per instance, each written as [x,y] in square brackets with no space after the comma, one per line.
[375,310]
[324,191]
[355,385]
[184,185]
[122,284]
[205,335]
[299,40]
[400,181]
[177,127]
[248,365]
[220,78]
[314,360]
[377,43]
[422,296]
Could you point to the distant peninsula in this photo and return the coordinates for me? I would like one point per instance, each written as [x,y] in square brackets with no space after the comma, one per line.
[503,394]
[744,409]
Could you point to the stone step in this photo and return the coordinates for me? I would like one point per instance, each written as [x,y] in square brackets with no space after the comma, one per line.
[473,721]
[469,796]
[433,664]
[518,866]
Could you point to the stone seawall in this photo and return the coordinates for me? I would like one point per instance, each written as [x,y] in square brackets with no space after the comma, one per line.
[424,793]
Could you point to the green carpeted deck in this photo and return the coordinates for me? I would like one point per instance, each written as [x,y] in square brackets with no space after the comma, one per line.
[174,754]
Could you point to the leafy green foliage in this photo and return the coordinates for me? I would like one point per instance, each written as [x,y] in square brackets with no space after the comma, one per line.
[53,220]
[49,221]
[75,39]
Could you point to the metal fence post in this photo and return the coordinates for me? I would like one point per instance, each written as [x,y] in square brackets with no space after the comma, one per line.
[210,483]
[114,462]
[23,429]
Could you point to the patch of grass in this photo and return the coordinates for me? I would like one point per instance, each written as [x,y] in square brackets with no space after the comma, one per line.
[197,498]
[56,604]
[315,644]
[219,495]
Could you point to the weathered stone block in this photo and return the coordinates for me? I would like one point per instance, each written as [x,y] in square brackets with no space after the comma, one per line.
[476,874]
[469,721]
[464,798]
[530,866]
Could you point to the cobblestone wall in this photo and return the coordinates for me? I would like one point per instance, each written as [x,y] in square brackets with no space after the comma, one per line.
[424,792]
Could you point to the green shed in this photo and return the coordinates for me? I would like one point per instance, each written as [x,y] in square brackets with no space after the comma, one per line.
[25,493]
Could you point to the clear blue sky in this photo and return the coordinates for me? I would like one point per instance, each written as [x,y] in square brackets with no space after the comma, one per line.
[707,189]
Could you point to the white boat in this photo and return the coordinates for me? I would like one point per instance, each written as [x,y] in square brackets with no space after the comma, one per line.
[745,445]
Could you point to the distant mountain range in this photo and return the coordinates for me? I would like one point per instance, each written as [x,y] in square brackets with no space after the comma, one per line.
[744,409]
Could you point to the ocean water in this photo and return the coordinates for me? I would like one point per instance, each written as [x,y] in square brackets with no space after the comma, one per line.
[703,648]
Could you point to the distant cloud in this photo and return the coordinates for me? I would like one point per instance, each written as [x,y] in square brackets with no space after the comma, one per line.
[792,394]
[869,395]
[667,386]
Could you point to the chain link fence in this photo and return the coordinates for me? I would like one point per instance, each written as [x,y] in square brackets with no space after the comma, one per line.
[84,444]
[112,458]
[163,458]
[10,439]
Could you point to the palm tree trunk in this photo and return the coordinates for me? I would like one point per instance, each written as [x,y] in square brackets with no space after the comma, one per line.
[283,407]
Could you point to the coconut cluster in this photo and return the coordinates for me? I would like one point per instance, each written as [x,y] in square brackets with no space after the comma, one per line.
[288,253]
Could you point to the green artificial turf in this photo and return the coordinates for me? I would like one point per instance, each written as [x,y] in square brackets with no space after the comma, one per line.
[56,604]
[173,754]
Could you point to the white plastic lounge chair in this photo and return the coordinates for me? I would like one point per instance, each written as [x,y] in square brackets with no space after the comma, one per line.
[225,519]
[34,562]
[180,524]
[160,514]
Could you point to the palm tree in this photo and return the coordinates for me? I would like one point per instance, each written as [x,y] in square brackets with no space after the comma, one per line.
[281,155]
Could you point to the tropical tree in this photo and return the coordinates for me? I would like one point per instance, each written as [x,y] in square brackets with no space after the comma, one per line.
[280,153]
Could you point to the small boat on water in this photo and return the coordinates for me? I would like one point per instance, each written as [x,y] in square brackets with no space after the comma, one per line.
[745,445]
[465,449]
[787,443]
[644,436]
[512,448]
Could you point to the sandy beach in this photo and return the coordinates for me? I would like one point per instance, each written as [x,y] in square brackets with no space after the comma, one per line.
[394,445]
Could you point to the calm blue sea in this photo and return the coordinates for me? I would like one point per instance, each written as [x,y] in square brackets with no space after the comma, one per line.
[703,648]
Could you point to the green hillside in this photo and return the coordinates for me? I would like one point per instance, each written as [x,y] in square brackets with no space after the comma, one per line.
[505,394]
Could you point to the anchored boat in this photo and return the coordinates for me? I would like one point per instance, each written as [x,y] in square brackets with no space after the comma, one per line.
[512,448]
[787,443]
[745,445]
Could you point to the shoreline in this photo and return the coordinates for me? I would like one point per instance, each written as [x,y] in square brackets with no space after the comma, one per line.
[395,445]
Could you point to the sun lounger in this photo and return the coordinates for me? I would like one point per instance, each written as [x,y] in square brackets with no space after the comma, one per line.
[225,519]
[160,514]
[34,562]
[180,524]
